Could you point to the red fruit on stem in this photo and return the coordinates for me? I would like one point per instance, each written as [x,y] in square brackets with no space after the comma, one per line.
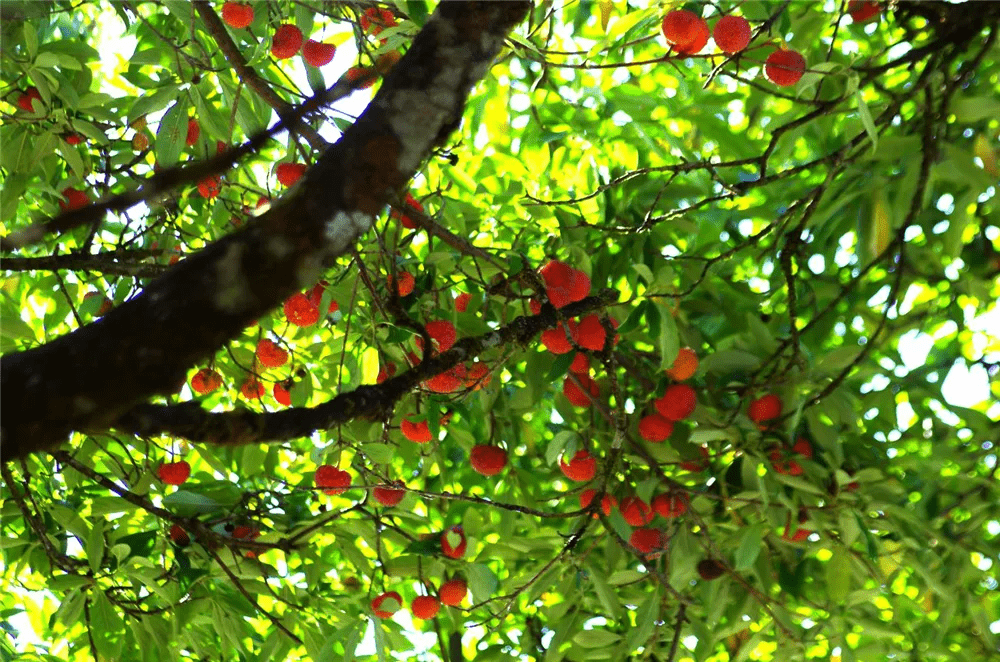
[636,511]
[404,283]
[731,34]
[270,354]
[535,306]
[646,540]
[286,42]
[316,296]
[385,372]
[210,187]
[332,479]
[193,132]
[316,53]
[205,381]
[73,139]
[361,77]
[677,403]
[442,333]
[803,448]
[765,408]
[862,11]
[252,389]
[387,604]
[449,381]
[581,468]
[389,495]
[478,376]
[425,606]
[26,99]
[453,542]
[488,460]
[670,505]
[799,535]
[289,173]
[607,501]
[685,365]
[179,536]
[576,395]
[580,364]
[174,473]
[282,395]
[784,67]
[453,591]
[462,302]
[73,199]
[300,311]
[685,31]
[374,20]
[417,432]
[555,340]
[655,428]
[591,333]
[237,15]
[411,203]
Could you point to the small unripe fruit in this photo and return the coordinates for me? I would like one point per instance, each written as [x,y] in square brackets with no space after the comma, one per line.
[488,460]
[731,34]
[332,479]
[453,591]
[784,67]
[685,31]
[425,607]
[140,141]
[174,473]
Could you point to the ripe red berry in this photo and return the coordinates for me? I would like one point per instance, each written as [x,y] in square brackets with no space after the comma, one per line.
[591,333]
[478,376]
[555,340]
[389,495]
[289,173]
[281,394]
[799,535]
[270,354]
[406,221]
[731,34]
[404,283]
[442,333]
[453,591]
[174,473]
[374,20]
[332,479]
[488,460]
[784,67]
[300,311]
[418,432]
[73,139]
[765,408]
[677,403]
[387,604]
[453,542]
[252,389]
[685,31]
[670,505]
[862,11]
[576,395]
[361,77]
[646,540]
[210,187]
[205,381]
[462,302]
[27,98]
[193,132]
[580,364]
[636,511]
[449,381]
[286,42]
[581,468]
[607,501]
[316,296]
[385,372]
[179,536]
[237,15]
[563,283]
[316,53]
[685,365]
[655,428]
[73,199]
[425,606]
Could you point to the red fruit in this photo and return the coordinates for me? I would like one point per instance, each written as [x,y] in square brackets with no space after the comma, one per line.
[784,67]
[210,187]
[685,31]
[205,381]
[406,221]
[73,139]
[385,372]
[685,365]
[316,53]
[655,428]
[863,10]
[374,20]
[26,99]
[404,283]
[388,495]
[316,296]
[332,479]
[731,34]
[449,381]
[580,364]
[488,460]
[799,535]
[607,502]
[677,403]
[281,394]
[765,408]
[803,447]
[270,354]
[453,542]
[442,333]
[417,432]
[646,540]
[244,532]
[563,283]
[636,511]
[462,302]
[425,606]
[591,333]
[581,468]
[73,199]
[453,591]
[289,173]
[387,604]
[237,15]
[579,286]
[577,396]
[174,473]
[361,77]
[300,311]
[252,389]
[670,505]
[555,340]
[286,42]
[535,306]
[179,535]
[193,132]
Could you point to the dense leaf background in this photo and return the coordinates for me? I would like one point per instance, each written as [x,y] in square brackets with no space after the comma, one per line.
[834,243]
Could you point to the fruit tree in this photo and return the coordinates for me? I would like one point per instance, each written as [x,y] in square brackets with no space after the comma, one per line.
[557,330]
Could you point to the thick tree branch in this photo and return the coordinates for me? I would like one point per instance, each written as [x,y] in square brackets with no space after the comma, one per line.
[86,380]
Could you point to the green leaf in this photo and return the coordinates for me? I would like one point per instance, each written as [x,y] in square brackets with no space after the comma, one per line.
[596,638]
[482,582]
[668,341]
[171,134]
[186,503]
[866,119]
[751,541]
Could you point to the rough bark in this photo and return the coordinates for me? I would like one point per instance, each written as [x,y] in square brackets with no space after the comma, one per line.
[87,380]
